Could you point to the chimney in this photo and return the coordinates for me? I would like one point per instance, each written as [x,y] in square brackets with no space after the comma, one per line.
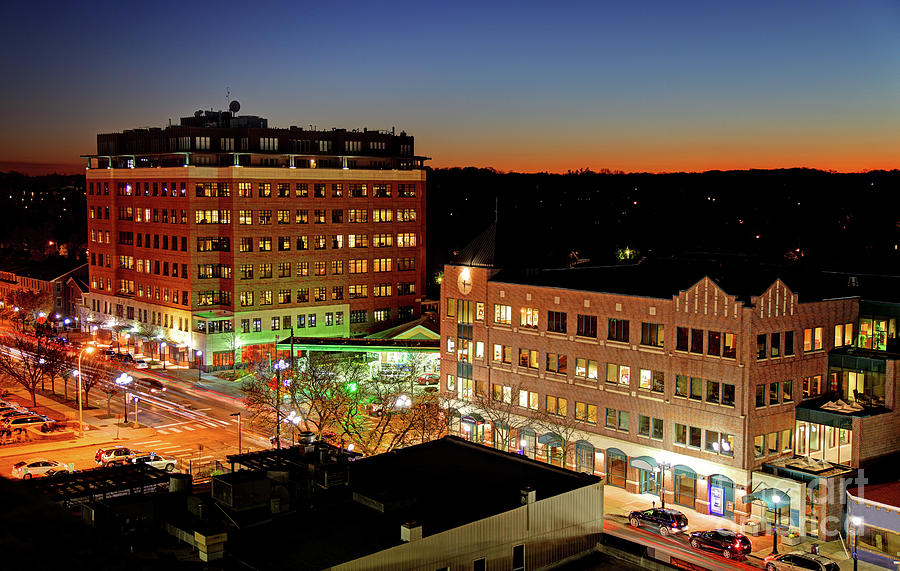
[528,495]
[410,531]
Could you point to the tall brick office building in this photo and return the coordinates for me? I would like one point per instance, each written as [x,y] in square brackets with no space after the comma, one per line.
[719,383]
[222,224]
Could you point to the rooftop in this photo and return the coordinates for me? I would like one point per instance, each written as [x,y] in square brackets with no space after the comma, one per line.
[887,494]
[46,270]
[741,277]
[431,484]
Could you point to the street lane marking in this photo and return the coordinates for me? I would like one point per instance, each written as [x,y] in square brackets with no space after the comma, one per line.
[189,428]
[173,429]
[174,424]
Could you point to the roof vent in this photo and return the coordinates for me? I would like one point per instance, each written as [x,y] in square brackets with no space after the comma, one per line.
[528,495]
[411,531]
[853,281]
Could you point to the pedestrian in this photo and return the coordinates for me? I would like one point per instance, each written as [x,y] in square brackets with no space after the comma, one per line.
[814,549]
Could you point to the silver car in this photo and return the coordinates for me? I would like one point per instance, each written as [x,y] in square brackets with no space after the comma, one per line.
[157,461]
[37,467]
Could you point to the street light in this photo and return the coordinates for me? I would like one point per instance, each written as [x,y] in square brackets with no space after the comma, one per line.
[135,399]
[524,445]
[162,347]
[238,414]
[294,419]
[661,470]
[198,354]
[124,380]
[279,366]
[856,521]
[87,350]
[776,499]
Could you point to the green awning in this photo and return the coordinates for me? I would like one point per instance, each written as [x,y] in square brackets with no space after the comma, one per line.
[550,439]
[768,497]
[643,463]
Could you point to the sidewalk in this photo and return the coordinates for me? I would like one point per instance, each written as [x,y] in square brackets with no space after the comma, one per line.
[619,502]
[99,431]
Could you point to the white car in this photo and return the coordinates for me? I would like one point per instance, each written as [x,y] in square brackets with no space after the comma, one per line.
[157,461]
[37,467]
[141,364]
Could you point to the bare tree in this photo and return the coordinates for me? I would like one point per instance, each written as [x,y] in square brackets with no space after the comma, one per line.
[563,424]
[383,415]
[94,372]
[110,392]
[30,303]
[260,397]
[325,386]
[499,405]
[21,361]
[57,363]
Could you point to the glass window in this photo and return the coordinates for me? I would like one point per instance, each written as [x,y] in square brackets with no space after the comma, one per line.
[774,396]
[623,420]
[787,390]
[760,396]
[712,391]
[681,386]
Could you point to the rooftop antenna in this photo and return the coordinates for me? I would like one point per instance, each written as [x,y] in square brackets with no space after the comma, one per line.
[496,208]
[227,97]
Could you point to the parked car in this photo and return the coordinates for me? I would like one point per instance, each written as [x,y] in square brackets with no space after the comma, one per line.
[37,467]
[162,462]
[799,560]
[141,364]
[9,413]
[667,520]
[124,357]
[22,421]
[428,379]
[113,456]
[108,354]
[150,385]
[729,544]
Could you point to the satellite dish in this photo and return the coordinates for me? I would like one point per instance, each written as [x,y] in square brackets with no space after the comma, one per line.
[234,106]
[198,113]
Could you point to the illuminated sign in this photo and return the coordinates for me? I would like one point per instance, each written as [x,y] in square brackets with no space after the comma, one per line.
[717,500]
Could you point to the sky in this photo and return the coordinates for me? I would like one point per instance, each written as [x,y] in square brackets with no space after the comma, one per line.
[645,85]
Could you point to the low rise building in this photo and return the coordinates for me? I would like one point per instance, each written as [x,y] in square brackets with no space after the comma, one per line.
[680,379]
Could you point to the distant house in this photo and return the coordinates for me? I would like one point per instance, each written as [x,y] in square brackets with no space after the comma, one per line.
[50,276]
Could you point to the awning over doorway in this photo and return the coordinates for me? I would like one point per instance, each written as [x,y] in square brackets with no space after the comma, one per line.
[643,463]
[768,497]
[550,439]
[473,418]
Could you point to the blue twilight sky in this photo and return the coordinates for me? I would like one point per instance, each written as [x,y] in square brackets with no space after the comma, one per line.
[527,86]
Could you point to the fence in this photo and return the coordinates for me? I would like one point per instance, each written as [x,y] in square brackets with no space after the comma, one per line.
[202,471]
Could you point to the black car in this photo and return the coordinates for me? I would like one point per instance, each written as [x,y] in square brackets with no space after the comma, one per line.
[668,521]
[730,544]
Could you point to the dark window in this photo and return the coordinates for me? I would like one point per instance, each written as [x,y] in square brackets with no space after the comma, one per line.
[652,334]
[681,338]
[479,564]
[587,326]
[760,396]
[556,321]
[714,343]
[728,395]
[695,437]
[519,558]
[618,330]
[788,343]
[760,346]
[696,341]
[712,391]
[776,345]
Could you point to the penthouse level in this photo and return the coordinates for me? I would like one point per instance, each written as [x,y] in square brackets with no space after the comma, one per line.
[673,378]
[221,138]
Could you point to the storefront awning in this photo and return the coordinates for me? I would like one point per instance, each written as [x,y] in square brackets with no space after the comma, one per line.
[550,439]
[643,463]
[473,418]
[768,496]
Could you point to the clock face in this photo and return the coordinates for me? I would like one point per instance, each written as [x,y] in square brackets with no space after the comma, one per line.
[464,282]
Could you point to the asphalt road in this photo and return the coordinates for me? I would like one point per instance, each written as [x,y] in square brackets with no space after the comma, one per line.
[192,424]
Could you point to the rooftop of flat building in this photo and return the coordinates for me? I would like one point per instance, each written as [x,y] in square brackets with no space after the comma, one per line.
[47,269]
[887,493]
[432,484]
[521,255]
[741,277]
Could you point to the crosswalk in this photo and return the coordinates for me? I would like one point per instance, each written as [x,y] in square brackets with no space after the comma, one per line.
[192,425]
[180,451]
